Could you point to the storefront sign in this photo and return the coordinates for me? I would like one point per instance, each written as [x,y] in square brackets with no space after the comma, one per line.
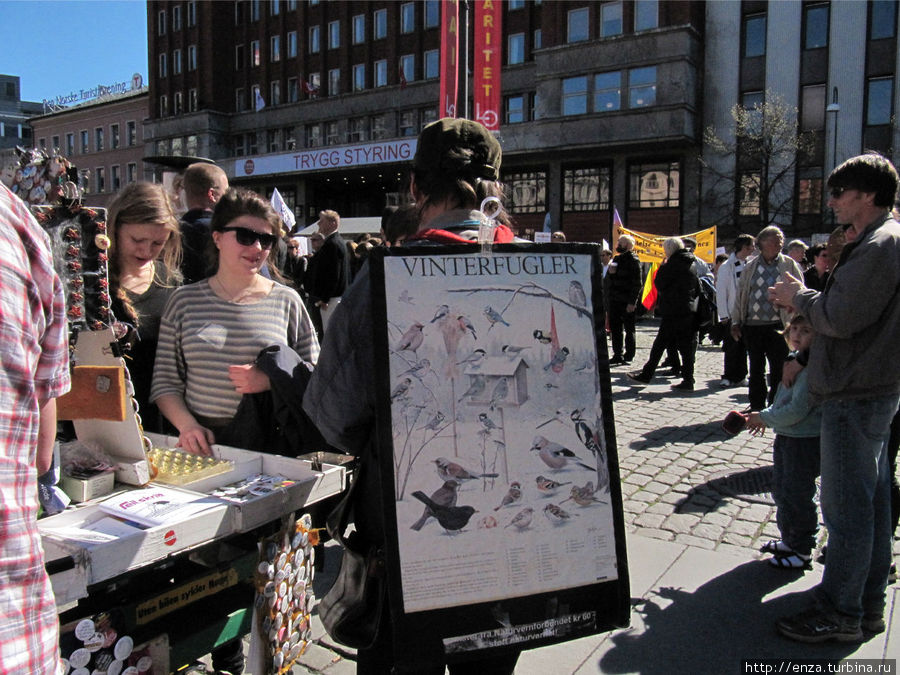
[328,158]
[83,95]
[488,55]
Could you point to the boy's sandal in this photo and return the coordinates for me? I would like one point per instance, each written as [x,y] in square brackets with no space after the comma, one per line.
[793,561]
[777,547]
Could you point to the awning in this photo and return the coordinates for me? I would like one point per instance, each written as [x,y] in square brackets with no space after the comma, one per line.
[350,227]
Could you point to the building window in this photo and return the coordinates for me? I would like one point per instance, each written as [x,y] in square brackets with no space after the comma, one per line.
[516,48]
[237,146]
[428,116]
[314,34]
[273,142]
[809,191]
[883,21]
[379,127]
[255,57]
[432,64]
[407,17]
[275,92]
[515,109]
[85,175]
[42,142]
[176,62]
[315,83]
[528,191]
[192,57]
[254,10]
[313,134]
[70,144]
[274,7]
[574,101]
[359,29]
[238,57]
[646,14]
[359,129]
[291,5]
[812,108]
[815,32]
[161,23]
[748,194]
[113,137]
[85,140]
[275,48]
[409,123]
[610,19]
[292,44]
[359,77]
[193,101]
[332,137]
[176,19]
[240,100]
[98,139]
[130,134]
[192,13]
[755,35]
[515,4]
[577,28]
[290,143]
[55,145]
[163,65]
[115,178]
[293,90]
[334,81]
[131,171]
[408,67]
[586,189]
[653,186]
[607,91]
[538,39]
[381,73]
[177,102]
[252,143]
[258,102]
[334,34]
[380,24]
[191,145]
[642,87]
[432,13]
[100,179]
[879,92]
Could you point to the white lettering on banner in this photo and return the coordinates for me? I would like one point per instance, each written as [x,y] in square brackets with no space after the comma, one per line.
[329,158]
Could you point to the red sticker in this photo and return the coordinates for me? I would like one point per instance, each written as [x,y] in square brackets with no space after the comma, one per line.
[169,539]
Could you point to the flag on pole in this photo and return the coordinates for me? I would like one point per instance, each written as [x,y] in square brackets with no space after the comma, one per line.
[282,210]
[260,103]
[308,89]
[402,76]
[648,294]
[618,225]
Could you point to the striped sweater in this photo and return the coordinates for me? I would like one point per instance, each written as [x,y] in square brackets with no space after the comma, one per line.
[201,335]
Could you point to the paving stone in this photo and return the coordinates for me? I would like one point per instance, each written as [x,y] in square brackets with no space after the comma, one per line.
[651,520]
[690,540]
[708,531]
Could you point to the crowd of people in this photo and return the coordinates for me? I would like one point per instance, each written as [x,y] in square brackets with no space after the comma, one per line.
[219,306]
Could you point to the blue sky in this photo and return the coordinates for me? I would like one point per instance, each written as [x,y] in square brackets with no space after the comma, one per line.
[60,46]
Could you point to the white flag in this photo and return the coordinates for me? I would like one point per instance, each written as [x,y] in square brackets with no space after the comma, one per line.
[282,210]
[260,101]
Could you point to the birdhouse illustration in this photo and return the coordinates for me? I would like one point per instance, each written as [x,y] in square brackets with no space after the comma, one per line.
[497,381]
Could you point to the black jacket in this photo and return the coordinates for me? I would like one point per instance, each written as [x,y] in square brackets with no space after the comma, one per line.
[625,284]
[328,272]
[677,284]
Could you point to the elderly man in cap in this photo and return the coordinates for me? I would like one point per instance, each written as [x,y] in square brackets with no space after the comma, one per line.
[855,374]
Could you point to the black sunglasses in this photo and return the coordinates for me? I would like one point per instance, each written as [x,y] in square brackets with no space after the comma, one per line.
[247,237]
[837,192]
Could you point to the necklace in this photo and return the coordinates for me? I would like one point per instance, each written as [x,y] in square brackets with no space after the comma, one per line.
[241,296]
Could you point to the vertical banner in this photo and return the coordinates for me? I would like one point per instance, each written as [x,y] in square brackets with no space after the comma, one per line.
[449,57]
[488,62]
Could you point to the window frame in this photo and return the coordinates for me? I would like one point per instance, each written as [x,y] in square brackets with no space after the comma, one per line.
[359,76]
[379,24]
[291,46]
[808,10]
[746,22]
[515,54]
[407,18]
[314,39]
[636,201]
[358,29]
[380,73]
[570,201]
[640,86]
[334,34]
[274,48]
[567,98]
[619,27]
[574,14]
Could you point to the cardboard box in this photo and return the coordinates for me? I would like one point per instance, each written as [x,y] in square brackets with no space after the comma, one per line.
[85,489]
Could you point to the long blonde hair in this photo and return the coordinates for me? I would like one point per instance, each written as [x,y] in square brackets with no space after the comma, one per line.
[143,203]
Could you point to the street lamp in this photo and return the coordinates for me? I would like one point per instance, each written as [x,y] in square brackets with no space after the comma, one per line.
[832,111]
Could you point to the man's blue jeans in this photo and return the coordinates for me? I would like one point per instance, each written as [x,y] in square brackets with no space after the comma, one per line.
[856,504]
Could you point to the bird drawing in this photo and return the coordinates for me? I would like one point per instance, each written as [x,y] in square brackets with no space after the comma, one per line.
[440,313]
[586,367]
[466,325]
[576,294]
[487,422]
[560,416]
[586,434]
[556,514]
[477,384]
[444,496]
[522,519]
[406,297]
[559,358]
[401,389]
[541,337]
[474,359]
[411,340]
[448,470]
[549,486]
[501,391]
[434,422]
[451,518]
[419,369]
[584,496]
[556,456]
[493,316]
[512,351]
[512,496]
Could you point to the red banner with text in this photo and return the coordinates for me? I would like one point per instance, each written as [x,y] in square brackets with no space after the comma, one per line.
[449,56]
[488,55]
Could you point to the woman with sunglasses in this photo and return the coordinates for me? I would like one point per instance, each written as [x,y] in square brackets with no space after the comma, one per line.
[212,331]
[144,260]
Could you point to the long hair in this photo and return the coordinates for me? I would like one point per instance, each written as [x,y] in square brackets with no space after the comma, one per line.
[142,203]
[237,202]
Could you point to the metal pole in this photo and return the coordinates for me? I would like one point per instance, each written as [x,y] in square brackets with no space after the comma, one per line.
[465,60]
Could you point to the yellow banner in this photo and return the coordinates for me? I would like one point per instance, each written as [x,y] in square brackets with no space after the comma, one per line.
[649,247]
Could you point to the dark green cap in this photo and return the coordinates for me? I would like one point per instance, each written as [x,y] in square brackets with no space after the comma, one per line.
[440,142]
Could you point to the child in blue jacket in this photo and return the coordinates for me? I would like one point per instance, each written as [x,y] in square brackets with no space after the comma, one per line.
[795,457]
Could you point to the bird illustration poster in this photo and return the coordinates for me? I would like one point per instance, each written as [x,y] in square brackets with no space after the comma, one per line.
[505,482]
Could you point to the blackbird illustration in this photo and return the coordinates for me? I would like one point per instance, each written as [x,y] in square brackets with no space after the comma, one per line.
[448,470]
[444,496]
[512,496]
[541,337]
[548,486]
[556,514]
[440,313]
[477,386]
[559,358]
[522,519]
[493,316]
[556,456]
[412,339]
[451,518]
